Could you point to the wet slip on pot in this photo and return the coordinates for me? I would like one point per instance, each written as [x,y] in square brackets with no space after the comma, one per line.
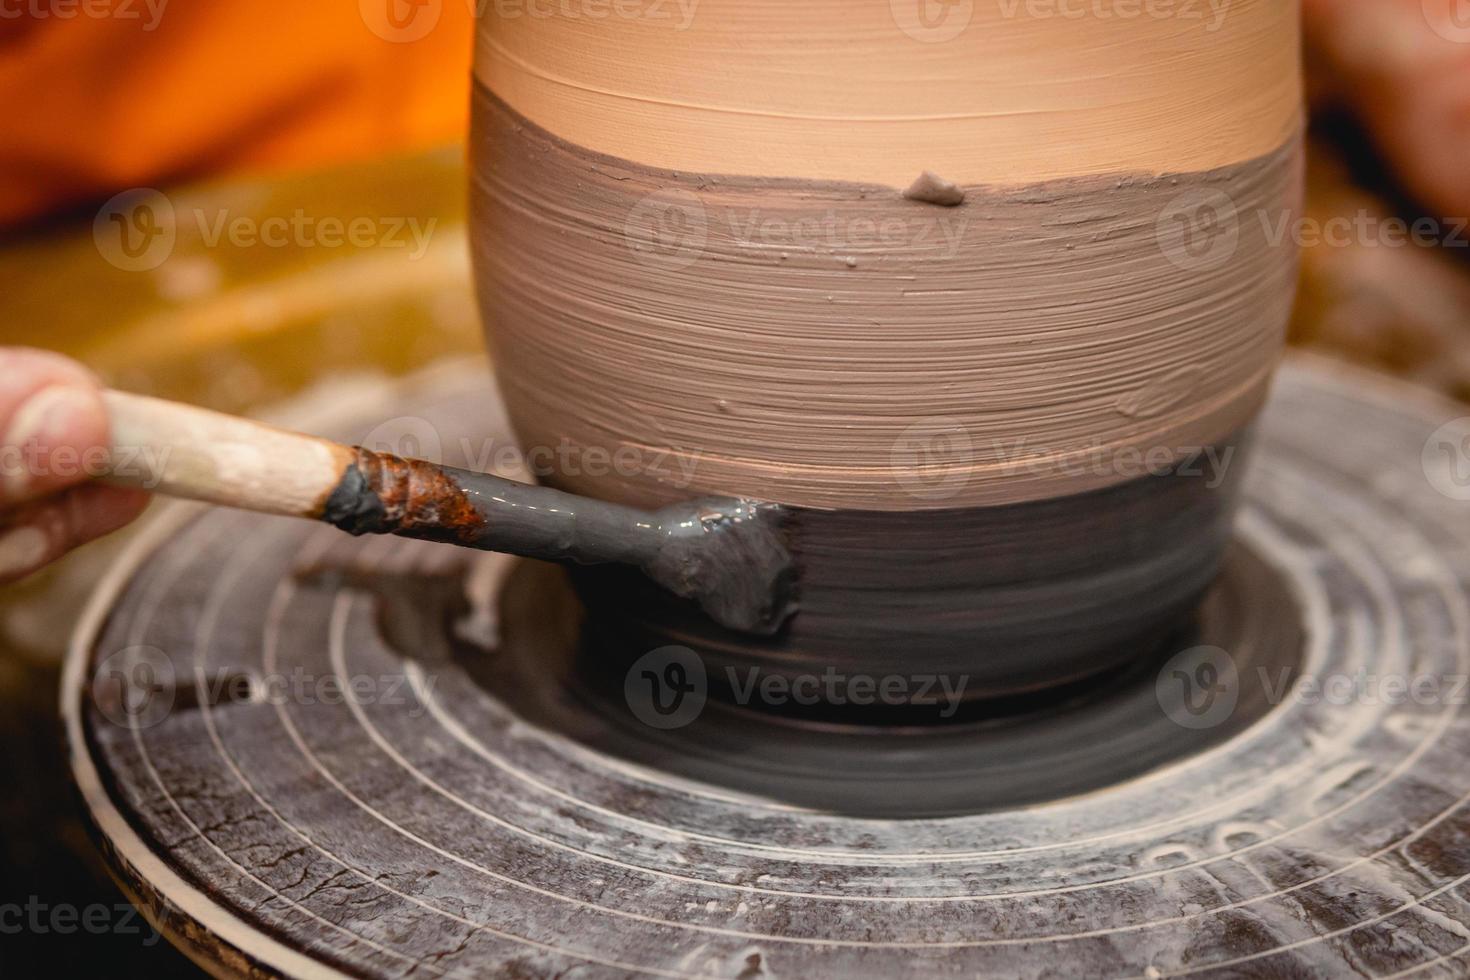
[1010,430]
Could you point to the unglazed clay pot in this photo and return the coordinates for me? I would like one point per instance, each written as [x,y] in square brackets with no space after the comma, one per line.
[1011,427]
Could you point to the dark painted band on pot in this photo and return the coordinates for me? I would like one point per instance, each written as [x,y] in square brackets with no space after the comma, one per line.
[992,602]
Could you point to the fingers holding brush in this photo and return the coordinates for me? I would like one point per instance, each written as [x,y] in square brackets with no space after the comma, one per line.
[41,532]
[54,431]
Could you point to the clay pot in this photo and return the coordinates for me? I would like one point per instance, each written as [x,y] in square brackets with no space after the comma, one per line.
[1011,428]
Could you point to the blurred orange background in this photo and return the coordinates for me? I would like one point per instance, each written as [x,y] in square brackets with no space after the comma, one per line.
[321,107]
[94,103]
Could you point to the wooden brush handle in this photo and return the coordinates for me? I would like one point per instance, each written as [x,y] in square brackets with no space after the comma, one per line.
[189,452]
[727,554]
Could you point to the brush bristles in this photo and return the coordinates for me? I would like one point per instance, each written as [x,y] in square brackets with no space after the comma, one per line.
[730,556]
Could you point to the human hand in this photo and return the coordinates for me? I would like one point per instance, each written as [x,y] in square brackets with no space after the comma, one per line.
[1403,67]
[54,436]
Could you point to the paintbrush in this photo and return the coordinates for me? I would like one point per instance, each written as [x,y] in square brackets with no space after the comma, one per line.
[727,554]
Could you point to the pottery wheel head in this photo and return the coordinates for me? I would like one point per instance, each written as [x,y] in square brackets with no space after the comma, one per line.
[292,785]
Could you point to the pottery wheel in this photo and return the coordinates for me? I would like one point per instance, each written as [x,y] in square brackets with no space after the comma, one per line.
[294,777]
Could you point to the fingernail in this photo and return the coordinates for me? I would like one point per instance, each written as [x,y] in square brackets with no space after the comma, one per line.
[48,419]
[22,551]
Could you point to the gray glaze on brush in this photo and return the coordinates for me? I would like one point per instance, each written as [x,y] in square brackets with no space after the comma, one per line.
[726,554]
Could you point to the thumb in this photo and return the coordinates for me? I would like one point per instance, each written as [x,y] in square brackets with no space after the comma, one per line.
[54,429]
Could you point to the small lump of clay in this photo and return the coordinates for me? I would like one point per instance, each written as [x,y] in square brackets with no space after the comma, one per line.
[934,189]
